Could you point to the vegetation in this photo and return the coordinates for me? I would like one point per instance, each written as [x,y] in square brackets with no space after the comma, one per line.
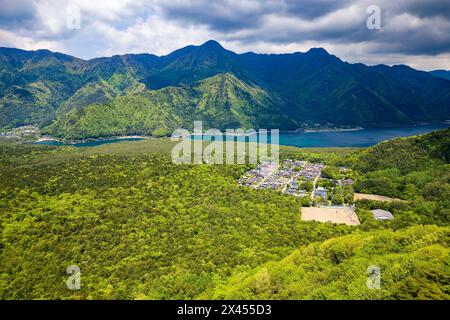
[137,225]
[222,101]
[413,264]
[147,94]
[140,227]
[415,169]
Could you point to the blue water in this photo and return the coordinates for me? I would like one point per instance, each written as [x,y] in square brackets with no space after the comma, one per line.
[94,143]
[359,138]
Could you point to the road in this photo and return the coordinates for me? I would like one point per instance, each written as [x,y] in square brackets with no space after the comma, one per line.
[289,182]
[266,177]
[314,186]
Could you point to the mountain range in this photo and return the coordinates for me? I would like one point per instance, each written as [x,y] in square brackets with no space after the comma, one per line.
[146,94]
[444,74]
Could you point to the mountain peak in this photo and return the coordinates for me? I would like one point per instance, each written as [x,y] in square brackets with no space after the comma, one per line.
[318,52]
[213,44]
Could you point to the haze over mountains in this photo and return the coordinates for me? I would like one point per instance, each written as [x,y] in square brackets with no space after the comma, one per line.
[146,94]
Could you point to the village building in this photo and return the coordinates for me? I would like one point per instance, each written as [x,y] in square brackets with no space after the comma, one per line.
[382,215]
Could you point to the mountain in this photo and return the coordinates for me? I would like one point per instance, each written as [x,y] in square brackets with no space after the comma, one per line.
[408,154]
[222,101]
[59,93]
[414,168]
[444,74]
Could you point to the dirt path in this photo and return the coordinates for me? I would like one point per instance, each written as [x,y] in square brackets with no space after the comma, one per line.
[314,186]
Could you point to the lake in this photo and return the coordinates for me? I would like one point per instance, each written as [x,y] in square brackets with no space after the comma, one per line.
[360,138]
[357,138]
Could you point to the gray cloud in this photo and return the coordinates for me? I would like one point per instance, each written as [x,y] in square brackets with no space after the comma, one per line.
[227,15]
[428,8]
[311,9]
[17,13]
[410,28]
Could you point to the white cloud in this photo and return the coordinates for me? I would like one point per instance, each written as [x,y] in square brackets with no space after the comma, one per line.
[411,34]
[9,39]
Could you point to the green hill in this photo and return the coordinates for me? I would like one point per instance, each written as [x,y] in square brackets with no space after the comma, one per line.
[413,264]
[416,169]
[222,101]
[300,89]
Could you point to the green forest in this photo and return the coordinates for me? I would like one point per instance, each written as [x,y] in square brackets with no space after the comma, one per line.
[140,227]
[71,98]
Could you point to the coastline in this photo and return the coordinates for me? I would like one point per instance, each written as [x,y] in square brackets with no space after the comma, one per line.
[333,130]
[49,138]
[62,141]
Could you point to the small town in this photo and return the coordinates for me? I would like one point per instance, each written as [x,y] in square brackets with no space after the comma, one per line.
[295,178]
[326,196]
[324,199]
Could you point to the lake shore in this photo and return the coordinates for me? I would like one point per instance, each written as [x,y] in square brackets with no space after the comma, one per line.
[333,130]
[323,138]
[49,138]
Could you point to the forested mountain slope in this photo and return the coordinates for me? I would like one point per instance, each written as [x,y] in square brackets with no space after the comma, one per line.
[222,102]
[416,169]
[413,264]
[37,87]
[444,74]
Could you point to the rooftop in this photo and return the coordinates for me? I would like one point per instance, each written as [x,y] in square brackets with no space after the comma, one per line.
[380,214]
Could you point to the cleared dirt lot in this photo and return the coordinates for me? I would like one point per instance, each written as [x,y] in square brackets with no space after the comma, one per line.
[365,196]
[330,214]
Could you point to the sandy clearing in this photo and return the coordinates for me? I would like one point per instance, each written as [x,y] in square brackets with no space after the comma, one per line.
[330,214]
[375,197]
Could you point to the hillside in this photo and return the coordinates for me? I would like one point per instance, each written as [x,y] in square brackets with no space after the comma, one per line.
[444,74]
[416,169]
[408,154]
[413,264]
[300,89]
[222,102]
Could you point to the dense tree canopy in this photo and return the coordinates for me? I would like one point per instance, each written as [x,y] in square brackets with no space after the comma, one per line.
[140,227]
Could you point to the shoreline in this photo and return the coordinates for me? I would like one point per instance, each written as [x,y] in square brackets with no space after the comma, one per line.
[73,142]
[297,131]
[333,130]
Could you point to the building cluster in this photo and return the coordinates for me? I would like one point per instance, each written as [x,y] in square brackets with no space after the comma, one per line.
[284,177]
[19,132]
[257,176]
[345,182]
[301,179]
[311,170]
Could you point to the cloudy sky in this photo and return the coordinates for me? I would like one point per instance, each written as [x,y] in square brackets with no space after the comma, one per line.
[413,32]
